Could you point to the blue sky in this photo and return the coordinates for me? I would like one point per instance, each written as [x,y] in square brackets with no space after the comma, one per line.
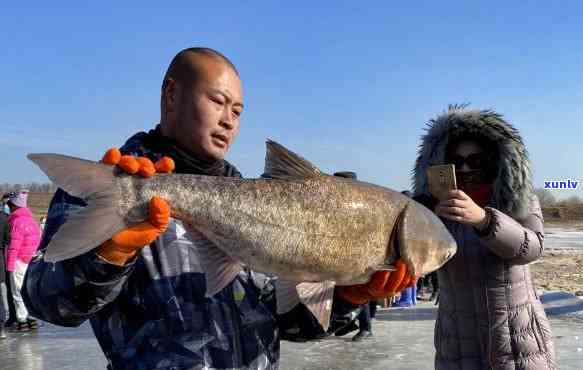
[348,87]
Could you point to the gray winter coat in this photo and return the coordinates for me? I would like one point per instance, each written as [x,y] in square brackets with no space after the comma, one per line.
[489,315]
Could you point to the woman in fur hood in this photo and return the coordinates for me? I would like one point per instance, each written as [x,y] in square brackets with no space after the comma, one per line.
[489,315]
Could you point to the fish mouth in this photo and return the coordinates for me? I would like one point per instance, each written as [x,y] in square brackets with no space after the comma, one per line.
[421,241]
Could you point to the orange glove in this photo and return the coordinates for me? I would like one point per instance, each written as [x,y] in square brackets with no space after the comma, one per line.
[383,284]
[124,245]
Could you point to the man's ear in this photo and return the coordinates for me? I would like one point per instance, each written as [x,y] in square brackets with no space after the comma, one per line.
[169,95]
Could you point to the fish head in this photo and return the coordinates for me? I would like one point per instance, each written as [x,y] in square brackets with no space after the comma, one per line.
[424,243]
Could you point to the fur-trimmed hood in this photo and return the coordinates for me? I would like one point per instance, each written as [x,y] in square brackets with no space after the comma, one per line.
[512,188]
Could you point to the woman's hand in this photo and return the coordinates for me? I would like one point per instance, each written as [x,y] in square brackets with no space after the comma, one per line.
[461,208]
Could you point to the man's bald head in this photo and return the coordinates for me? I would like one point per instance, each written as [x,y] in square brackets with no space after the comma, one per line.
[201,101]
[186,67]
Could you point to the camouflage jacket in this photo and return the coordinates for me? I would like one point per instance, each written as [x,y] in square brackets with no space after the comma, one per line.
[153,313]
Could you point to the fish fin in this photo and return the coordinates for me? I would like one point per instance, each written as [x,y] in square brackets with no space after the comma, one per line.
[317,297]
[281,163]
[385,267]
[78,177]
[219,269]
[286,294]
[92,225]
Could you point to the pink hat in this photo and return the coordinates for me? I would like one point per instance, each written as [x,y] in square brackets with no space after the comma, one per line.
[19,198]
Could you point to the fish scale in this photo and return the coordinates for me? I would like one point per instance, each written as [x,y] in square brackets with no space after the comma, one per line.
[319,229]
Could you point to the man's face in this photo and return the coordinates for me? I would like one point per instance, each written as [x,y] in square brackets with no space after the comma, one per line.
[206,114]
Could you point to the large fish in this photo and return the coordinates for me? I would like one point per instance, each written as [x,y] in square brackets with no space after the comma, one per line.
[309,229]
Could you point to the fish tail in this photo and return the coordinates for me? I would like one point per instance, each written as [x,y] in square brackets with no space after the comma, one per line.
[96,184]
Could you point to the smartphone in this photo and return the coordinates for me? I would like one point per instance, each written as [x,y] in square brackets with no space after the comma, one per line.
[441,180]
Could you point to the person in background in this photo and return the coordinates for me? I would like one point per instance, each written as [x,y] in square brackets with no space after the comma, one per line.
[365,317]
[24,240]
[433,280]
[4,238]
[43,221]
[11,319]
[489,314]
[424,283]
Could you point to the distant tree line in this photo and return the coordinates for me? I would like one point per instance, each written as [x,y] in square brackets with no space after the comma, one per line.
[33,187]
[547,199]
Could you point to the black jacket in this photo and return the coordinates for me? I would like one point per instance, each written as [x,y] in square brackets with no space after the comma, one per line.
[4,239]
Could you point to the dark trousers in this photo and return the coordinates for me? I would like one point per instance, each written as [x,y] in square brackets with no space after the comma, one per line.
[434,282]
[427,280]
[365,316]
[372,305]
[11,309]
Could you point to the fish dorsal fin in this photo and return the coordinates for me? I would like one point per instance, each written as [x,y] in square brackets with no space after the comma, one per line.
[281,163]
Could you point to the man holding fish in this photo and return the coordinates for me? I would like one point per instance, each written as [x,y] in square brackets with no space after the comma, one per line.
[164,266]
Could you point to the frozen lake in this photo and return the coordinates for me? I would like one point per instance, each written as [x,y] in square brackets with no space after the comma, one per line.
[563,238]
[403,339]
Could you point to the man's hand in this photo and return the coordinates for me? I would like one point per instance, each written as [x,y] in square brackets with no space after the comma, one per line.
[383,284]
[461,208]
[124,245]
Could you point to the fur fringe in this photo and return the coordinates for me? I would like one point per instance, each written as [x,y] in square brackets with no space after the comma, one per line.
[512,189]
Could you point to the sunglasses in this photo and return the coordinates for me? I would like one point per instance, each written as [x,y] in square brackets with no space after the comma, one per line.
[476,161]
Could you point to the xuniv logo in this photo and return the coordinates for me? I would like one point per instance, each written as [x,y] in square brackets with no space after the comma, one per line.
[568,184]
